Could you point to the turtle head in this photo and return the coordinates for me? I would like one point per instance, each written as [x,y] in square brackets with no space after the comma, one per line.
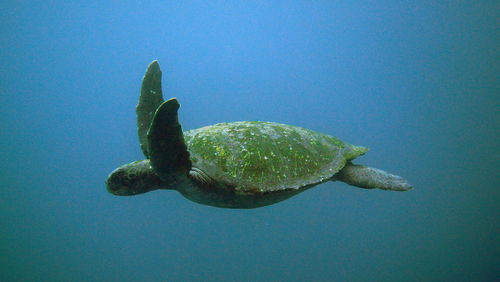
[133,178]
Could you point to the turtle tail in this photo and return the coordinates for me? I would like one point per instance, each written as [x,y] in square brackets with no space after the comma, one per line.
[370,178]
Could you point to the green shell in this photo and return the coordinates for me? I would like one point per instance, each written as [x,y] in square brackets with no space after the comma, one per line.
[262,157]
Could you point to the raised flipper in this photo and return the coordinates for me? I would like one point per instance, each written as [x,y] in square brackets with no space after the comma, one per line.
[369,177]
[150,99]
[167,150]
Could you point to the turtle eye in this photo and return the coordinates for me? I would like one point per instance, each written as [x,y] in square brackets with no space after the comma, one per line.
[130,180]
[114,187]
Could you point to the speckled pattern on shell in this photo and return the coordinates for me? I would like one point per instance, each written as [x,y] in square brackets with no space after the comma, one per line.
[257,157]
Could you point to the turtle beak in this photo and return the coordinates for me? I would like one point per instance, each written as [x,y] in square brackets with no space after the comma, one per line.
[111,186]
[114,183]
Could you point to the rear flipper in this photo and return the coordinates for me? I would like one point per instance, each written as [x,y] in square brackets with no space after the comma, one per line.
[369,177]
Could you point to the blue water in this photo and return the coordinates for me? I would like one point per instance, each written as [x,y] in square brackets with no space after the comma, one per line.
[416,82]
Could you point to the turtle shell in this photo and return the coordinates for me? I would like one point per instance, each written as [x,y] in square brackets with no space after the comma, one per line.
[260,157]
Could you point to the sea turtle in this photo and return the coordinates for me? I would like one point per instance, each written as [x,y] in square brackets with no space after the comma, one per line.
[246,164]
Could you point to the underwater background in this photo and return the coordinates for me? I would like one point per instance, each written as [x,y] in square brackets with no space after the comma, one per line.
[415,81]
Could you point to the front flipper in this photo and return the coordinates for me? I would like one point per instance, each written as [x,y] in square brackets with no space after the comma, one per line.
[150,99]
[369,177]
[168,152]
